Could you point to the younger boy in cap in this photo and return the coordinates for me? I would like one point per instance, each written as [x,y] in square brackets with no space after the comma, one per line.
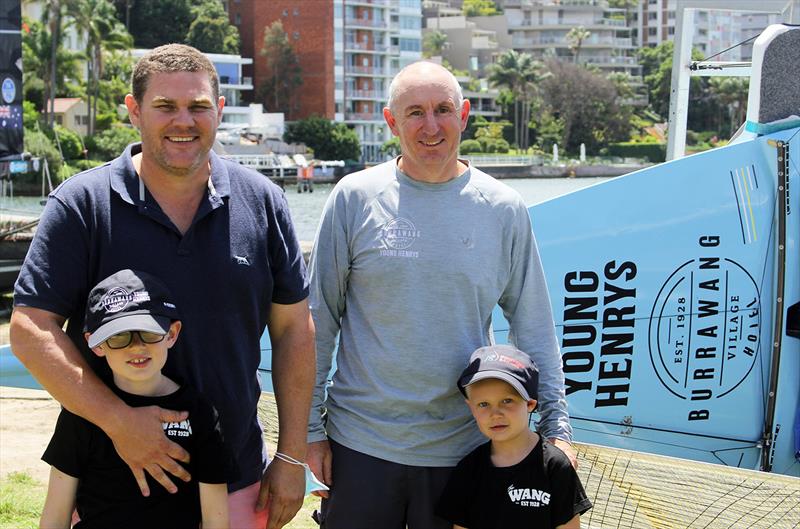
[131,320]
[514,480]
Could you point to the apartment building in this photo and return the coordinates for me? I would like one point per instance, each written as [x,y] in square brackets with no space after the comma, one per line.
[540,27]
[373,40]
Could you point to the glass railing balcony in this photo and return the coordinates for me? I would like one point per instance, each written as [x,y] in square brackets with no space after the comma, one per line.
[363,116]
[365,94]
[365,46]
[365,22]
[366,70]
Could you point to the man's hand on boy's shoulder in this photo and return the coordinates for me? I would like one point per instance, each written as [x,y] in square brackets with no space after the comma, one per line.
[138,437]
[567,448]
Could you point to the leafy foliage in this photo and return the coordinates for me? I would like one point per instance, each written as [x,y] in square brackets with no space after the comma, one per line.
[475,8]
[283,69]
[111,142]
[433,43]
[470,147]
[391,147]
[330,141]
[587,105]
[156,22]
[71,144]
[39,145]
[211,30]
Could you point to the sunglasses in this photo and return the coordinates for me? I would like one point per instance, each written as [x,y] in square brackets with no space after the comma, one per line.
[124,339]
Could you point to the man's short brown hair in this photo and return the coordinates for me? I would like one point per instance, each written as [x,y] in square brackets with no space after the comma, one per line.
[172,58]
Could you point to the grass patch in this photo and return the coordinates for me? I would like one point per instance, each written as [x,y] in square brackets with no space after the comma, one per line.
[21,501]
[22,498]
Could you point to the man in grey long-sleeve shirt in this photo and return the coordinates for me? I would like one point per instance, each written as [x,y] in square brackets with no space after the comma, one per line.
[410,259]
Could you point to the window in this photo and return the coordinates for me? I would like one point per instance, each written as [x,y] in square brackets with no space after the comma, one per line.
[286,12]
[410,45]
[652,32]
[296,35]
[237,19]
[296,11]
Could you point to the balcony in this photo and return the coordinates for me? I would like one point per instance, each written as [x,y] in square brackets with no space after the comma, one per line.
[365,46]
[380,3]
[363,116]
[365,94]
[609,60]
[365,23]
[366,70]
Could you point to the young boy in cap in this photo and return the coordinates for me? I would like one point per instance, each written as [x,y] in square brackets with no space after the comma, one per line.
[131,320]
[514,480]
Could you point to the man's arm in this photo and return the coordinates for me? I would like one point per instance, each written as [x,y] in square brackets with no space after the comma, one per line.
[526,306]
[291,332]
[214,505]
[38,340]
[60,501]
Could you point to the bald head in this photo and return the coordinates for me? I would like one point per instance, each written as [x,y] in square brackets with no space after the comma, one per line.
[419,73]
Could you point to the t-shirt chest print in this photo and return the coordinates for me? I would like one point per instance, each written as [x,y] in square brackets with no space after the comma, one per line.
[397,238]
[527,497]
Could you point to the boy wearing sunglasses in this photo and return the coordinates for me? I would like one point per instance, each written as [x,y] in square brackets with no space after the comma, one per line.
[132,321]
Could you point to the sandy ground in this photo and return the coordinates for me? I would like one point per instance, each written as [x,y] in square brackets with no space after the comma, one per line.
[27,418]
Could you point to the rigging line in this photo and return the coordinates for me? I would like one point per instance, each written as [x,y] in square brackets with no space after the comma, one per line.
[728,49]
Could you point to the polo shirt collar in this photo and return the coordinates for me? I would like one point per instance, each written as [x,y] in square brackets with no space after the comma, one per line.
[126,183]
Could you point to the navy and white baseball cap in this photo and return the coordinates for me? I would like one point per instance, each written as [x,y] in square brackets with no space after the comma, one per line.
[503,362]
[128,300]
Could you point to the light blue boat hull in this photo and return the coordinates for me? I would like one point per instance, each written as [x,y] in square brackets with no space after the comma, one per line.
[662,284]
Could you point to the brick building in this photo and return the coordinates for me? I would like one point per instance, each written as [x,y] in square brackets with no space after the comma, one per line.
[309,26]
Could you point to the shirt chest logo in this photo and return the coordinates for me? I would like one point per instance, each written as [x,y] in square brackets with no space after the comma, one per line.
[528,497]
[397,237]
[177,429]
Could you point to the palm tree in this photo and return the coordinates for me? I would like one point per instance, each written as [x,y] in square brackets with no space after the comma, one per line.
[575,37]
[520,74]
[103,32]
[36,50]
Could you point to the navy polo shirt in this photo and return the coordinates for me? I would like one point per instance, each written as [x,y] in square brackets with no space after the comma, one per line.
[239,256]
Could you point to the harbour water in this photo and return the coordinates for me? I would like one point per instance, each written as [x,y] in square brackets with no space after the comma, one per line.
[306,208]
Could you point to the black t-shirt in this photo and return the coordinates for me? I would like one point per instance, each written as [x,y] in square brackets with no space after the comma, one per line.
[108,495]
[541,491]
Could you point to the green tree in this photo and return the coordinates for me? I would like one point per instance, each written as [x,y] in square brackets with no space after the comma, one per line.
[330,141]
[102,31]
[391,147]
[155,22]
[434,43]
[211,30]
[731,95]
[587,105]
[36,56]
[576,37]
[521,75]
[115,83]
[477,8]
[283,69]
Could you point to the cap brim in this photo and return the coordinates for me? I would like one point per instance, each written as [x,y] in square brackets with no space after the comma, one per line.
[132,322]
[505,377]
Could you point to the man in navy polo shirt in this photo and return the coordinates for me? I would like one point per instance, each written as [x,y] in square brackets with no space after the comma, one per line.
[221,237]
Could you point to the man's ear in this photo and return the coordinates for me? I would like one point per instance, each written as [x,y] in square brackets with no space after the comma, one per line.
[133,109]
[99,351]
[390,120]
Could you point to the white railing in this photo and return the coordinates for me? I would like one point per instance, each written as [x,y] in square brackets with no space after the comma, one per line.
[488,160]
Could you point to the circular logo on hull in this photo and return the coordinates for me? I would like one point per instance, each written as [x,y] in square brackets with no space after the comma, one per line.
[704,328]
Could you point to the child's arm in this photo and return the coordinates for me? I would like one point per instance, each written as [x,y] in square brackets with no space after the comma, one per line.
[455,526]
[575,523]
[60,501]
[214,505]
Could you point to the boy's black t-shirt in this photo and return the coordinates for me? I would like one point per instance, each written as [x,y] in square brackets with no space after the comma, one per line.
[541,491]
[108,495]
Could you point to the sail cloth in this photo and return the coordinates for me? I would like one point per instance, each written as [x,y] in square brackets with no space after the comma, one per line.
[637,490]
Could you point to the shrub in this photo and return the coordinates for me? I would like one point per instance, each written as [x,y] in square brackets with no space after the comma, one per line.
[654,152]
[496,146]
[470,147]
[38,144]
[110,143]
[71,144]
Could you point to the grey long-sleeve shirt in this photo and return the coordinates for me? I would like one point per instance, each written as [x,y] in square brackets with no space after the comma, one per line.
[407,274]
